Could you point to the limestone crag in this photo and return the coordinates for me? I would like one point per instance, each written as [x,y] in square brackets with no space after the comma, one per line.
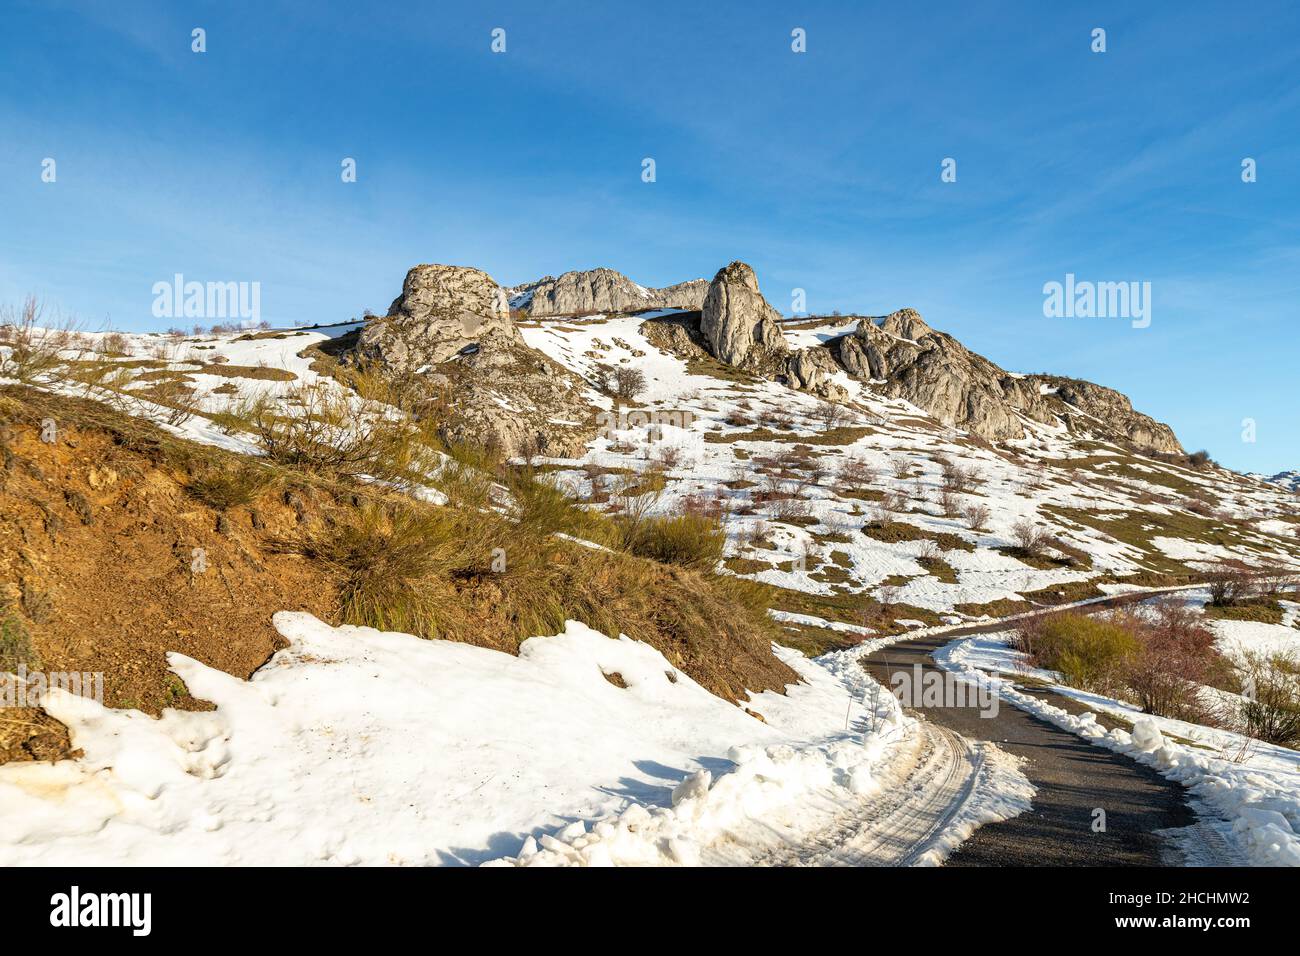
[442,311]
[601,291]
[738,324]
[451,329]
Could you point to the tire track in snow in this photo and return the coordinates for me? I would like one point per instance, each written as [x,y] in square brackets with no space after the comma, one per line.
[938,789]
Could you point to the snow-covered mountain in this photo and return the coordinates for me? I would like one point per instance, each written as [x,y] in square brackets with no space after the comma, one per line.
[1289,480]
[601,290]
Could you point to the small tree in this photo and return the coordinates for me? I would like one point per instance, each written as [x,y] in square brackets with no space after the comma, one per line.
[628,382]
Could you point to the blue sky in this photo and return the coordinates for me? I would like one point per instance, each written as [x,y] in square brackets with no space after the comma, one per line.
[820,169]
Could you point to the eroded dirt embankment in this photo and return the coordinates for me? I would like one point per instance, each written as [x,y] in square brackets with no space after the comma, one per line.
[107,563]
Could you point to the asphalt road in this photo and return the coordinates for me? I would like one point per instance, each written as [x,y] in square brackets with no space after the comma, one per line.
[1074,779]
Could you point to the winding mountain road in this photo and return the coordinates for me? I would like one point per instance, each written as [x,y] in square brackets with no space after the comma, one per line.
[1074,780]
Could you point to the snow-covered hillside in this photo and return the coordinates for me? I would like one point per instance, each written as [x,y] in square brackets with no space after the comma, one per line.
[862,519]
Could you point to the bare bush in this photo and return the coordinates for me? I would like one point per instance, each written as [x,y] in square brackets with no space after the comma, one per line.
[855,474]
[894,501]
[28,350]
[949,503]
[1030,538]
[1269,708]
[669,456]
[977,516]
[790,508]
[178,401]
[1176,659]
[831,415]
[1230,584]
[113,345]
[955,479]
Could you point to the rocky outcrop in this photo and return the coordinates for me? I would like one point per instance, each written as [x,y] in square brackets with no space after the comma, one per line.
[452,323]
[601,291]
[451,329]
[1107,410]
[678,335]
[812,370]
[1288,480]
[936,373]
[508,396]
[442,311]
[738,324]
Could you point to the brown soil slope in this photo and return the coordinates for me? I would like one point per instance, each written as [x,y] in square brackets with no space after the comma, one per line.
[109,559]
[98,563]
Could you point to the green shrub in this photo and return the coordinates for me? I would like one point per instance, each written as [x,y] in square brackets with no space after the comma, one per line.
[1089,652]
[687,540]
[1270,706]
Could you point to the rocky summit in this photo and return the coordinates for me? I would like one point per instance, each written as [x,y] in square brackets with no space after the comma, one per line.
[601,291]
[451,327]
[738,323]
[454,323]
[442,311]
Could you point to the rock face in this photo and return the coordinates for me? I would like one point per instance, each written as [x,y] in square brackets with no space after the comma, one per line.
[811,369]
[938,374]
[601,291]
[442,311]
[738,324]
[1110,410]
[506,395]
[1290,480]
[451,329]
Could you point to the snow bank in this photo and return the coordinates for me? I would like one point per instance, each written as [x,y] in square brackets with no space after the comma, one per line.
[354,746]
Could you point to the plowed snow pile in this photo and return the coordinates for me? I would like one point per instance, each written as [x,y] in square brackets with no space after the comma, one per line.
[355,746]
